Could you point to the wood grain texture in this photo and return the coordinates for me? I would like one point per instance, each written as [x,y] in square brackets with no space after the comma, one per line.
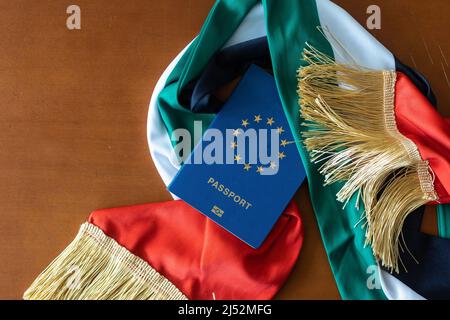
[73,114]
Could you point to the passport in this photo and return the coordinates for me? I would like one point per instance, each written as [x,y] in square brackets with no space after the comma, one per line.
[246,168]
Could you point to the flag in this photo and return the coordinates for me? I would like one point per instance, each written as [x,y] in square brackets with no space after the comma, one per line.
[375,131]
[165,251]
[290,26]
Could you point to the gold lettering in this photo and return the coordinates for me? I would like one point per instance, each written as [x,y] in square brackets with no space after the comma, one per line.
[229,194]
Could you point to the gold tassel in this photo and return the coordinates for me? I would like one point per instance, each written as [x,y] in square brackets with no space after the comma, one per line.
[95,267]
[351,131]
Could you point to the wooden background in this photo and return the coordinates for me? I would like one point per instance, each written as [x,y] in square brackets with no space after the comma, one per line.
[73,111]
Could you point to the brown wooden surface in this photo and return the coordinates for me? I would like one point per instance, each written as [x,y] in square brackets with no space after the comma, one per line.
[73,113]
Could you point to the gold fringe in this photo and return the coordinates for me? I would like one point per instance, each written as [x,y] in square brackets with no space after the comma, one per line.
[95,267]
[348,114]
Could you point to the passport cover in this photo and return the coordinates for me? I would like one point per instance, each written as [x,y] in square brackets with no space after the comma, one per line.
[246,197]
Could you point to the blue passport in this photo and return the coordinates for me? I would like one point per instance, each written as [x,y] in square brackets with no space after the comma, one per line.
[246,168]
